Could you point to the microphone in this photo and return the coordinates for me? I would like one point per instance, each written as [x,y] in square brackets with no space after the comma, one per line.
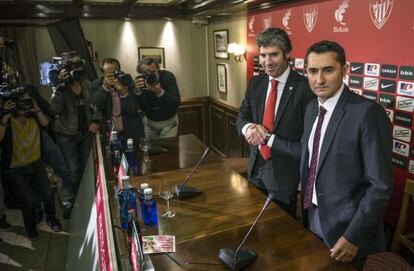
[183,191]
[242,257]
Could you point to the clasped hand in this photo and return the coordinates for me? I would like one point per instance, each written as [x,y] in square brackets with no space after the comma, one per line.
[255,134]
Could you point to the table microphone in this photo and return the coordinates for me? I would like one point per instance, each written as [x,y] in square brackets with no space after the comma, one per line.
[183,191]
[242,257]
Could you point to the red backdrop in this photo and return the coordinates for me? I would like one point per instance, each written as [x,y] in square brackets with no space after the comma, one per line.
[378,37]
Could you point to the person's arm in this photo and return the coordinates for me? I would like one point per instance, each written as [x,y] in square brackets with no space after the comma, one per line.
[169,93]
[4,119]
[376,150]
[41,117]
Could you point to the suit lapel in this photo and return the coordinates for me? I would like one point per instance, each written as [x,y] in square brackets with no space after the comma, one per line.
[287,92]
[333,126]
[261,97]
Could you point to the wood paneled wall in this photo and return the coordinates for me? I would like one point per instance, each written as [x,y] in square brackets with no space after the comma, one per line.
[214,123]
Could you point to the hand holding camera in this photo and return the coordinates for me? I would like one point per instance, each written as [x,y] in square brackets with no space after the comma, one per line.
[118,80]
[148,81]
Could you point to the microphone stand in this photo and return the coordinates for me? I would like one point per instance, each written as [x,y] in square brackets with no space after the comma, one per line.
[183,191]
[242,257]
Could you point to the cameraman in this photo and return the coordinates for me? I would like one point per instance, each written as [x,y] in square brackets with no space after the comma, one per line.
[77,120]
[113,96]
[20,136]
[162,98]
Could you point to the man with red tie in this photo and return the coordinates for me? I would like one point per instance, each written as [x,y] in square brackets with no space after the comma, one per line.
[274,104]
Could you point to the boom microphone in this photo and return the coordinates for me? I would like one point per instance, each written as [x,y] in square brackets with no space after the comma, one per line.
[183,191]
[242,257]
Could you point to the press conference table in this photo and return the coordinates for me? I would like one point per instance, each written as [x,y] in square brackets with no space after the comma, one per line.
[222,215]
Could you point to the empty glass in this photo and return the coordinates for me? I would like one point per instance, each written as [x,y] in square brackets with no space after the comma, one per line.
[167,192]
[144,145]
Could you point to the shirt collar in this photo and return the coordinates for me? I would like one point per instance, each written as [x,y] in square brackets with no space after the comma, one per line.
[283,77]
[331,102]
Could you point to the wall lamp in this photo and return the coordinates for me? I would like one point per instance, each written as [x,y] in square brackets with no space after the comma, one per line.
[238,50]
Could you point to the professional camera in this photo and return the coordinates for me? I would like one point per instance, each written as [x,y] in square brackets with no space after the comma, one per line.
[49,71]
[8,92]
[151,79]
[123,78]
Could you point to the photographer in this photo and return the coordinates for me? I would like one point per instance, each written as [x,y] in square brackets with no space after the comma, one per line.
[21,122]
[113,96]
[77,120]
[159,87]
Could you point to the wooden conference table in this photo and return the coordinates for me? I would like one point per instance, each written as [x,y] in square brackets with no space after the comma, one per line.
[221,216]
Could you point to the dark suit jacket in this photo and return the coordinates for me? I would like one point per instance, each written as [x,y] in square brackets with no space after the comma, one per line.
[353,182]
[288,124]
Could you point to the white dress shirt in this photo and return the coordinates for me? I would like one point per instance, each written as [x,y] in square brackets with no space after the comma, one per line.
[329,105]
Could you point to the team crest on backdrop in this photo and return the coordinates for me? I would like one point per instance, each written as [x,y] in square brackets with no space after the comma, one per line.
[267,22]
[285,21]
[380,11]
[310,15]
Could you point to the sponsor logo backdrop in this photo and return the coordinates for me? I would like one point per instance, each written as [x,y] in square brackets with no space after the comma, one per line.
[377,36]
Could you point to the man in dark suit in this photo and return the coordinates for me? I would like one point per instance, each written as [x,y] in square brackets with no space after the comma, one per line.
[274,104]
[345,157]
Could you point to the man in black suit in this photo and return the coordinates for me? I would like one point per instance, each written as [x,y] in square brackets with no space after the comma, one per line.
[345,158]
[274,104]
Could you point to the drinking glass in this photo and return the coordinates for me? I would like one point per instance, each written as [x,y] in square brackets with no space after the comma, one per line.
[144,145]
[167,192]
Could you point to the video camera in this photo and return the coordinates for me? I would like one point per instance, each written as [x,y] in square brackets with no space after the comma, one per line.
[49,71]
[123,78]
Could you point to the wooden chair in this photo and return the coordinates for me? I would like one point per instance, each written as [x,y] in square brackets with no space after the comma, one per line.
[400,237]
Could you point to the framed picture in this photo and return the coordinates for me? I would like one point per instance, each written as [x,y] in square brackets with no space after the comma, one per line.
[221,40]
[221,78]
[155,52]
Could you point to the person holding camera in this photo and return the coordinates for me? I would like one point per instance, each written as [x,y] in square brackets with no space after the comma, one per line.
[162,98]
[77,119]
[113,96]
[21,123]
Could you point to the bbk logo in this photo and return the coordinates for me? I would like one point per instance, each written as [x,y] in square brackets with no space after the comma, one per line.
[357,91]
[404,104]
[299,63]
[399,161]
[406,88]
[380,11]
[355,81]
[251,27]
[389,71]
[370,95]
[371,83]
[390,114]
[310,15]
[401,148]
[411,167]
[356,68]
[403,119]
[386,100]
[402,133]
[339,17]
[285,21]
[372,69]
[407,73]
[388,85]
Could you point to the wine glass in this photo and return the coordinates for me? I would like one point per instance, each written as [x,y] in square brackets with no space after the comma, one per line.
[167,192]
[144,145]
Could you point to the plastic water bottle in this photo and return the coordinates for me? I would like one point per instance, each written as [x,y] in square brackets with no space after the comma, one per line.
[131,157]
[149,208]
[127,201]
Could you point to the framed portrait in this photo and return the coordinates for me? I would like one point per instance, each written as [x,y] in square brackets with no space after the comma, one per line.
[221,40]
[155,52]
[221,78]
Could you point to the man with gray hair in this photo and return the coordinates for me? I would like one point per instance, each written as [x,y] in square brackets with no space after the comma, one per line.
[162,98]
[274,104]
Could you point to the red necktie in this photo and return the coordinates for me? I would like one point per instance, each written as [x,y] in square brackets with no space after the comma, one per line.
[307,199]
[269,117]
